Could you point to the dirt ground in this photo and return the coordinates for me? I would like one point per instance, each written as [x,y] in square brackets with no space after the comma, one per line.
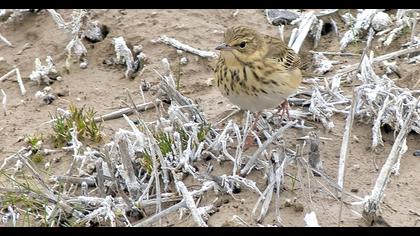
[103,88]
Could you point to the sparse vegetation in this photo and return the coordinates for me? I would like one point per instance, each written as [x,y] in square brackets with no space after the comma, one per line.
[84,121]
[35,142]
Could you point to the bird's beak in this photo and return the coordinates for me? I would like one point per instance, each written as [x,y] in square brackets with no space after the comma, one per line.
[224,46]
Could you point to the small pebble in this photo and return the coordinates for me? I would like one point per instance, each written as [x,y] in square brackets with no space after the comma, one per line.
[356,139]
[179,52]
[354,190]
[183,61]
[137,49]
[83,65]
[416,153]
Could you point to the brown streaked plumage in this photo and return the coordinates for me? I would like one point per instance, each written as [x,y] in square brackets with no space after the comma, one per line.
[256,71]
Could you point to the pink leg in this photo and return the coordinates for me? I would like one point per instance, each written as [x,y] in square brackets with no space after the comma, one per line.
[249,141]
[284,108]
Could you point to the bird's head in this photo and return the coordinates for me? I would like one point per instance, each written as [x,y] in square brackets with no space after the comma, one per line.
[243,42]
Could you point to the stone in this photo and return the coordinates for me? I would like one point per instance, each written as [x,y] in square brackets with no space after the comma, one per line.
[96,32]
[280,16]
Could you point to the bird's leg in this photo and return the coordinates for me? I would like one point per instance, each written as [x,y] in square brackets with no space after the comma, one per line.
[284,108]
[249,140]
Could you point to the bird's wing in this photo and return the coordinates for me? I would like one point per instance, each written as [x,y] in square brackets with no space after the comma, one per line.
[280,54]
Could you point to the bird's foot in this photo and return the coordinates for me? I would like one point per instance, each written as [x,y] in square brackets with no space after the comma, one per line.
[249,142]
[284,109]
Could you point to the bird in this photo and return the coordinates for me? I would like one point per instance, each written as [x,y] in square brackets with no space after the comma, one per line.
[256,71]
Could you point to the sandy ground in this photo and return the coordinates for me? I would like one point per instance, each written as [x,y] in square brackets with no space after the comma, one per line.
[103,88]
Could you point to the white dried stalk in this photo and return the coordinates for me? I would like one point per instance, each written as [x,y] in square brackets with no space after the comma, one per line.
[318,31]
[161,214]
[323,64]
[362,22]
[75,46]
[321,110]
[396,168]
[189,201]
[20,82]
[334,25]
[307,20]
[126,156]
[376,128]
[89,181]
[281,32]
[7,75]
[266,195]
[371,205]
[388,56]
[393,34]
[248,167]
[18,78]
[4,102]
[58,19]
[311,220]
[2,38]
[124,111]
[75,29]
[181,46]
[345,142]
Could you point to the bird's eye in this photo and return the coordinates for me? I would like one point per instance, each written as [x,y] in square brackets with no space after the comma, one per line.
[242,44]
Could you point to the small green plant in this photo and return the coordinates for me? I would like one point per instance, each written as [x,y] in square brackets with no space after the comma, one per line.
[35,142]
[147,163]
[164,142]
[84,122]
[184,137]
[203,131]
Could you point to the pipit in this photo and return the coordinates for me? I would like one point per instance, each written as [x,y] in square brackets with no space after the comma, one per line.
[257,71]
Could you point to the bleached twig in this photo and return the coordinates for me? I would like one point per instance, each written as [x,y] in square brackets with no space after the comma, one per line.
[337,53]
[305,25]
[161,214]
[371,205]
[2,38]
[310,220]
[181,46]
[4,102]
[20,82]
[362,22]
[254,157]
[18,78]
[345,142]
[8,74]
[388,56]
[90,181]
[344,151]
[124,111]
[189,201]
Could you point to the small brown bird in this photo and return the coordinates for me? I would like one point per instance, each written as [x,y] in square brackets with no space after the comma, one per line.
[257,71]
